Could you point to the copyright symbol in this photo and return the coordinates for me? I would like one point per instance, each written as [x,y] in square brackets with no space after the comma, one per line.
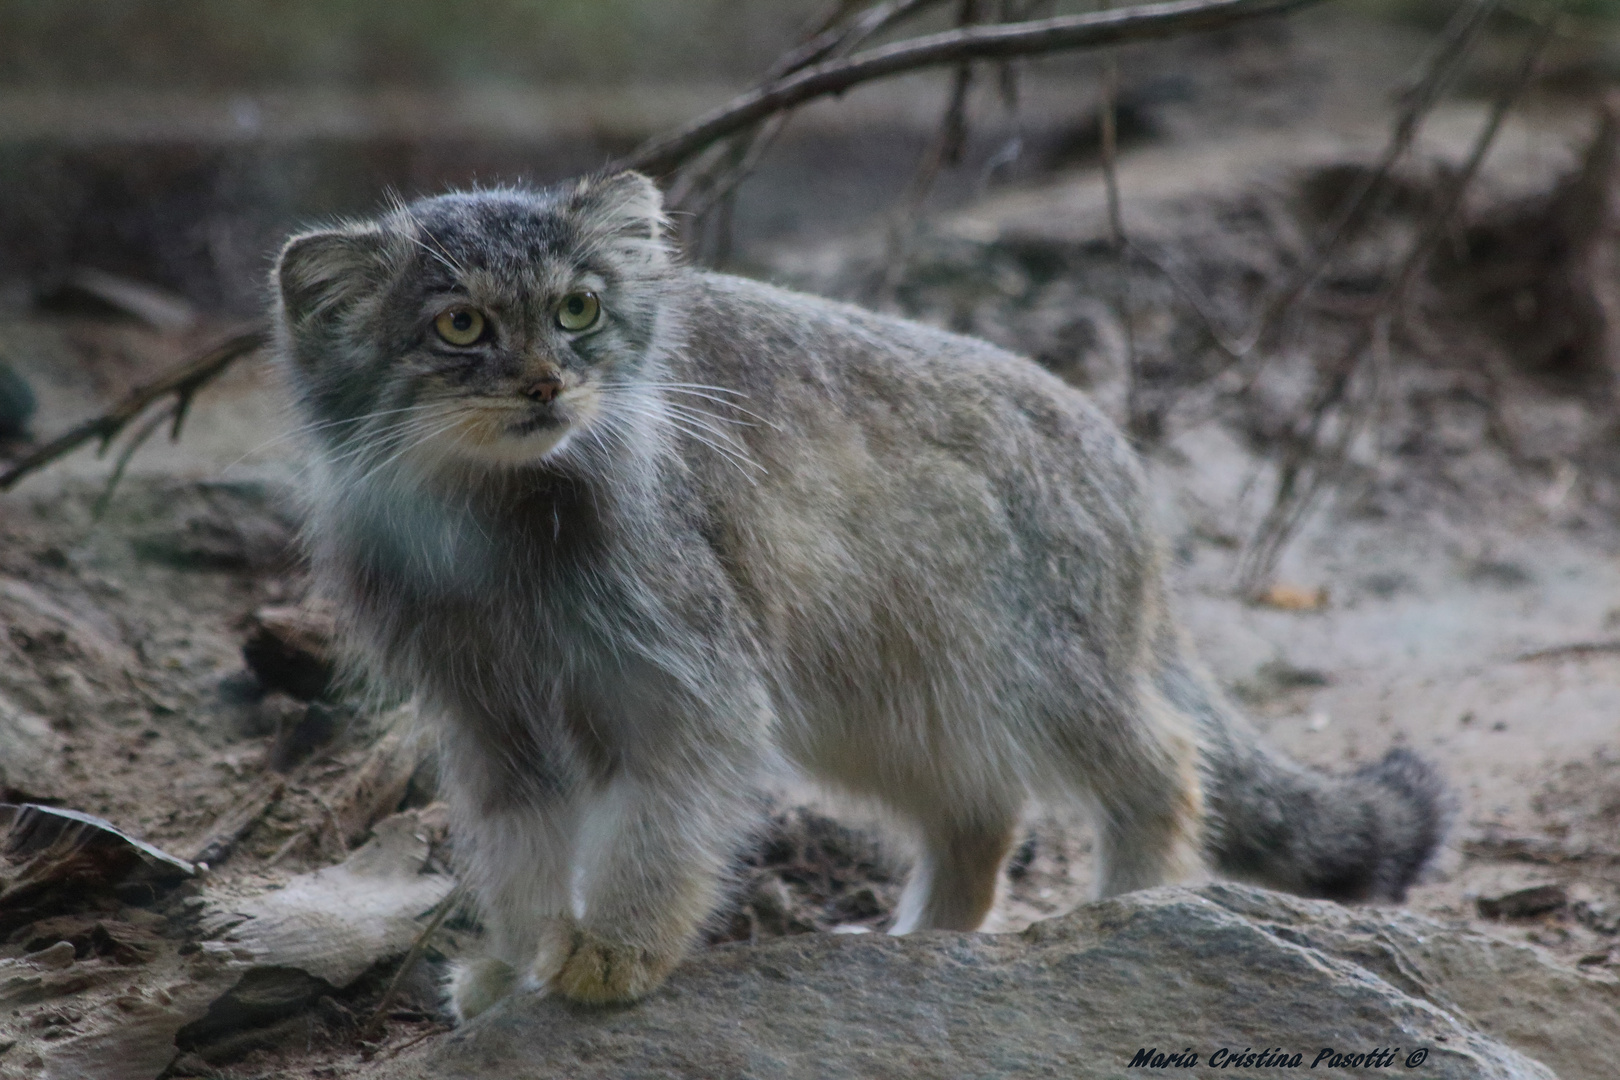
[1416,1058]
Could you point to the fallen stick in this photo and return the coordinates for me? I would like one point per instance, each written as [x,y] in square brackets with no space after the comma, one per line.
[1534,849]
[235,823]
[183,381]
[374,1026]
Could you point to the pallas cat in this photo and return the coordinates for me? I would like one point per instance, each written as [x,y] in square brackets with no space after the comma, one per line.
[637,534]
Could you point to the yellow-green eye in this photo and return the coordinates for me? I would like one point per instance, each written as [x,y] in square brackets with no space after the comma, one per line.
[578,311]
[460,325]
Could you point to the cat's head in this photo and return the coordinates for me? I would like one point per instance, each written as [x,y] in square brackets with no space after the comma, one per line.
[492,326]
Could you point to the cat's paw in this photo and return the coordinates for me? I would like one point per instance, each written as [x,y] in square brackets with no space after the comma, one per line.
[597,970]
[475,985]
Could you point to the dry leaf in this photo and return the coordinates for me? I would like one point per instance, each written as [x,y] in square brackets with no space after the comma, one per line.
[1293,598]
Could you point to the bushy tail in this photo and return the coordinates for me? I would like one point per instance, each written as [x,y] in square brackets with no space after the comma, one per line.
[1363,835]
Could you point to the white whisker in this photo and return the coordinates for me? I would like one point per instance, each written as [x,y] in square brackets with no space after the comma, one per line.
[697,390]
[312,428]
[405,438]
[688,427]
[700,419]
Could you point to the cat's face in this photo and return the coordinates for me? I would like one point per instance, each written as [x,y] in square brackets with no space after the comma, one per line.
[495,327]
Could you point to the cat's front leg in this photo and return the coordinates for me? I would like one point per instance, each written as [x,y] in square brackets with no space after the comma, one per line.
[652,851]
[517,861]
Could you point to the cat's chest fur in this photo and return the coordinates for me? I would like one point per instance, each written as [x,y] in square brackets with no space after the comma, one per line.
[537,610]
[492,596]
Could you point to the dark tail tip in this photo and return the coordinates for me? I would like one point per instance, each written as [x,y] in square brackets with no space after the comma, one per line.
[1411,826]
[1385,824]
[1364,835]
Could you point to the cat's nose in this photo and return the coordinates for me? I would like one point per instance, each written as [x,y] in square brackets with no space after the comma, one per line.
[544,390]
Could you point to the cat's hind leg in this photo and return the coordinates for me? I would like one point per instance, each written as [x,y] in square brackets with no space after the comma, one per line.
[1143,775]
[954,882]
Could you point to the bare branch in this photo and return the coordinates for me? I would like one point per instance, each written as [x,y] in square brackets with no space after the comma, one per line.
[1314,458]
[1441,67]
[132,444]
[946,149]
[841,37]
[743,118]
[994,42]
[182,381]
[707,188]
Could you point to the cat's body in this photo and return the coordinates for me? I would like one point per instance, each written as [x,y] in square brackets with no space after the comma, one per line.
[631,563]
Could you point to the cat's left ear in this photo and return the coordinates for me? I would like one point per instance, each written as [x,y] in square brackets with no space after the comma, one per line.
[319,273]
[626,204]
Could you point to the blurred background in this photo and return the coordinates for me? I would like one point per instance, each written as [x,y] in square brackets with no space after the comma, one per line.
[176,141]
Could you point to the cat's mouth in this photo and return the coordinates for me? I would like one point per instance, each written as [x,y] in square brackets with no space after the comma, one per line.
[502,431]
[541,420]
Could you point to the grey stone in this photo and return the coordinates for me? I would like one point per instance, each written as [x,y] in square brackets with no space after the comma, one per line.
[1074,997]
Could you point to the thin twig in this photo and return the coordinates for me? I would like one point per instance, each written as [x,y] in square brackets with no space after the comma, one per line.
[945,149]
[840,37]
[1308,464]
[437,1029]
[182,381]
[994,42]
[720,184]
[1564,652]
[1108,124]
[1438,71]
[239,819]
[709,186]
[441,911]
[132,444]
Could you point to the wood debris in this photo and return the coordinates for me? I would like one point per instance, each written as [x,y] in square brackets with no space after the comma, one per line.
[1524,903]
[122,996]
[290,649]
[380,784]
[52,859]
[241,818]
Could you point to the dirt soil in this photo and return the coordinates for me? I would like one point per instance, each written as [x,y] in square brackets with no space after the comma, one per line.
[1460,595]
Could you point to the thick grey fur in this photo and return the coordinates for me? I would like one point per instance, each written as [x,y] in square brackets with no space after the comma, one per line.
[755,525]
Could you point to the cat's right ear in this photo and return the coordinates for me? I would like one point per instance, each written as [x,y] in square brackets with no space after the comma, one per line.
[318,273]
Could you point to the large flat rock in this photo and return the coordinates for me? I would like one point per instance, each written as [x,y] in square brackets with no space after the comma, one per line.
[1076,997]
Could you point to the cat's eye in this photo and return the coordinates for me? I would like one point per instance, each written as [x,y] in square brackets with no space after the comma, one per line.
[460,325]
[579,311]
